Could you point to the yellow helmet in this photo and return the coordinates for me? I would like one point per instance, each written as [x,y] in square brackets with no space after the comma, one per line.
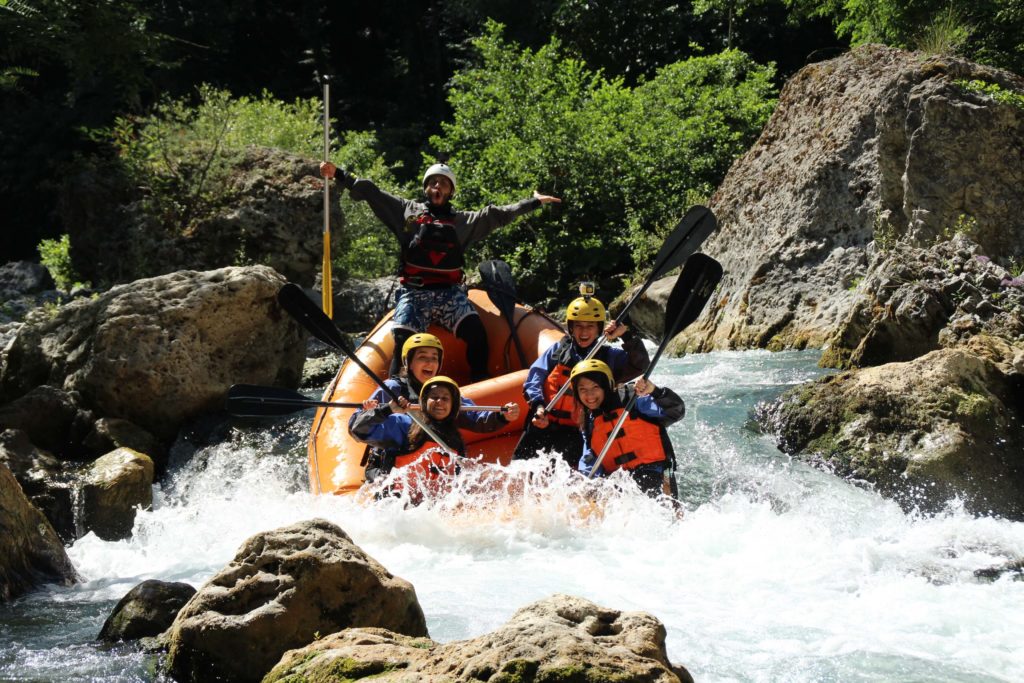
[421,341]
[581,310]
[448,382]
[599,367]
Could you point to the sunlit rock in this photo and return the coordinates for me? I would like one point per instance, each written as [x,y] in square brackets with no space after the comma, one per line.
[915,300]
[876,147]
[146,610]
[284,589]
[561,638]
[30,551]
[942,427]
[161,351]
[116,485]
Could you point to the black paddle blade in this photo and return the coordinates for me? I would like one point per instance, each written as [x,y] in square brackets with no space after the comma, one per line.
[308,314]
[500,286]
[496,278]
[695,227]
[701,275]
[251,400]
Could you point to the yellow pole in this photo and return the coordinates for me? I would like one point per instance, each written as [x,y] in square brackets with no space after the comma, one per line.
[328,298]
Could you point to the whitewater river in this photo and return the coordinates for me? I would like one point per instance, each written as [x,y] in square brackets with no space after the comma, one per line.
[777,572]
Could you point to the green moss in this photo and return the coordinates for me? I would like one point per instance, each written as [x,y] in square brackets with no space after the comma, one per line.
[348,669]
[517,671]
[836,356]
[582,674]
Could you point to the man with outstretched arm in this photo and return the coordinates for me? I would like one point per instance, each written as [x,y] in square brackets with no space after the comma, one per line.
[433,238]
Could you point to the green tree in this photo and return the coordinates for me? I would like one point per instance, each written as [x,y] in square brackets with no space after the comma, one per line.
[731,9]
[627,162]
[989,31]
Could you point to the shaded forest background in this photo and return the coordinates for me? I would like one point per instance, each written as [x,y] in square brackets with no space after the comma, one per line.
[580,98]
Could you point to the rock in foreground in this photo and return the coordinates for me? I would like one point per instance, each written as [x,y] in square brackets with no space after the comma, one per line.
[283,589]
[561,638]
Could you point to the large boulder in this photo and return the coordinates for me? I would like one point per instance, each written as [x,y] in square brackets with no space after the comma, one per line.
[115,487]
[914,300]
[30,551]
[283,589]
[49,483]
[146,611]
[944,426]
[160,351]
[561,638]
[876,146]
[268,209]
[360,304]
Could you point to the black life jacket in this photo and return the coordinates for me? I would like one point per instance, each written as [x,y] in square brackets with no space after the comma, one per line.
[434,256]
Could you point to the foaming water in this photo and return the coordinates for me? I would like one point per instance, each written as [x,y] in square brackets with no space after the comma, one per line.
[775,571]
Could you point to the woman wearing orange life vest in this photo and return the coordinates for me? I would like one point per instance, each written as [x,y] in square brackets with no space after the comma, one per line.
[390,428]
[422,356]
[642,446]
[558,430]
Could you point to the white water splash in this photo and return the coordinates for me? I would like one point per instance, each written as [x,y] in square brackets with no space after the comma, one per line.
[777,571]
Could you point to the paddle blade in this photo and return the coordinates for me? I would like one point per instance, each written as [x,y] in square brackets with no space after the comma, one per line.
[307,313]
[695,227]
[250,400]
[496,278]
[701,275]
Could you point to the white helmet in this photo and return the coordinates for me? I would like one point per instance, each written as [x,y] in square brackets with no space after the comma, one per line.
[441,170]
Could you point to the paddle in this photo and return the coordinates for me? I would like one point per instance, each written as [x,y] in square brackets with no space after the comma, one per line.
[327,295]
[306,313]
[501,289]
[684,239]
[251,400]
[690,294]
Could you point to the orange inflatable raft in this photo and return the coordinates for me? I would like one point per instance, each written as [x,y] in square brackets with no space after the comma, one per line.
[335,458]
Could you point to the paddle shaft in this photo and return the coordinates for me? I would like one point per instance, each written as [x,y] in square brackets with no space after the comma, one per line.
[236,405]
[299,306]
[327,297]
[699,290]
[668,257]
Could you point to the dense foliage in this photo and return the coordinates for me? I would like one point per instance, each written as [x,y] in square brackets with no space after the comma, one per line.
[179,160]
[627,162]
[68,67]
[989,31]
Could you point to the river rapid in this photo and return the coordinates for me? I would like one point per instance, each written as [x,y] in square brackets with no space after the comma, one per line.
[776,572]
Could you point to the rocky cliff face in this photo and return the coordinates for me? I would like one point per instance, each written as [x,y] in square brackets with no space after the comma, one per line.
[875,147]
[271,213]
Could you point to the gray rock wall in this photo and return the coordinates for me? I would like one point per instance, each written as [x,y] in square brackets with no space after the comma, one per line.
[877,145]
[161,350]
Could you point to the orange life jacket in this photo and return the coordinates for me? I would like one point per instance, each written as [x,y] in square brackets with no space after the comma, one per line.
[566,411]
[429,461]
[637,443]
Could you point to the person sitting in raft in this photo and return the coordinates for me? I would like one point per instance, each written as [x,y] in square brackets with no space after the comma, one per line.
[558,430]
[422,356]
[641,447]
[433,238]
[389,428]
